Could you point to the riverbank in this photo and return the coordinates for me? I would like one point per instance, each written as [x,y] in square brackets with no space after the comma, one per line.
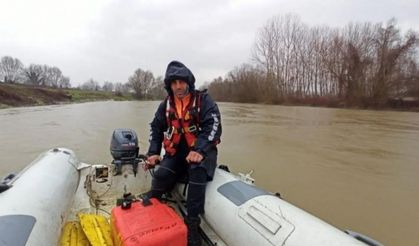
[18,95]
[405,104]
[409,104]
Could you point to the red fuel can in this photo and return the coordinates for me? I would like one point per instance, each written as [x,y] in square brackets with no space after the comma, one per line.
[153,225]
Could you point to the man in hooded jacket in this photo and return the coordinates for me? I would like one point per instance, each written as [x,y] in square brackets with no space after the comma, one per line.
[188,125]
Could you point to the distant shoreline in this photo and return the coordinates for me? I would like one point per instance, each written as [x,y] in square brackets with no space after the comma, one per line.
[407,104]
[19,95]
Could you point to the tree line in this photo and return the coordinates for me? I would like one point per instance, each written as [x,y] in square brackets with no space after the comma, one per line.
[142,83]
[13,71]
[361,64]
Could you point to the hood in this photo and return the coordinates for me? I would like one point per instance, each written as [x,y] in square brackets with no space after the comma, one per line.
[177,70]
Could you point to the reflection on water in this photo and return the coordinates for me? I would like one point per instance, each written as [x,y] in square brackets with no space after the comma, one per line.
[355,169]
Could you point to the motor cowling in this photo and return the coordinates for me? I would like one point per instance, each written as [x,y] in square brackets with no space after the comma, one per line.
[124,145]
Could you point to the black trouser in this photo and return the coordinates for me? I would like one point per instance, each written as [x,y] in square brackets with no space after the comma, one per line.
[174,167]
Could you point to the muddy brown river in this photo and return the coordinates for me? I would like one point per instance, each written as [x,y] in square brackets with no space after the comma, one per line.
[355,169]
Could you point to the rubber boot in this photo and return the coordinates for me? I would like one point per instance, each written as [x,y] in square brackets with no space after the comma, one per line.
[194,239]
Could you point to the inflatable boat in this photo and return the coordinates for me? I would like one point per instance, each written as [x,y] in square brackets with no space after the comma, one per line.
[58,200]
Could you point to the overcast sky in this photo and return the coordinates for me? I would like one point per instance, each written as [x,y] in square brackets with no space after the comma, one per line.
[107,40]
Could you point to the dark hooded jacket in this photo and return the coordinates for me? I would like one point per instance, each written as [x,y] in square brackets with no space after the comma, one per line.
[176,70]
[210,121]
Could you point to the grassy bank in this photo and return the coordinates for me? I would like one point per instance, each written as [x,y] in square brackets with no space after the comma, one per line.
[18,95]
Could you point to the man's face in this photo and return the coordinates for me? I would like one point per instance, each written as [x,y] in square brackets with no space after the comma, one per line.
[179,88]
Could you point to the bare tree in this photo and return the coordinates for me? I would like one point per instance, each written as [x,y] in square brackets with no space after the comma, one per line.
[108,86]
[362,64]
[141,82]
[220,89]
[35,74]
[157,91]
[391,48]
[121,88]
[277,51]
[10,69]
[52,76]
[90,85]
[64,82]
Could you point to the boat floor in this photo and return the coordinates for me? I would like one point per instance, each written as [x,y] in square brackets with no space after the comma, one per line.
[97,194]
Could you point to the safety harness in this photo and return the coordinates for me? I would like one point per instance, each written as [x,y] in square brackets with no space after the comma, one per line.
[186,124]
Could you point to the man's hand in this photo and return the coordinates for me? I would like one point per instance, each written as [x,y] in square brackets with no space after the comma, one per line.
[152,161]
[194,157]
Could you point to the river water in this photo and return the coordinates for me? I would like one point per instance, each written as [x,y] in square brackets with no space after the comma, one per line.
[355,169]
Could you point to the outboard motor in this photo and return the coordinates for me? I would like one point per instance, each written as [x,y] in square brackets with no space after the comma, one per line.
[124,149]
